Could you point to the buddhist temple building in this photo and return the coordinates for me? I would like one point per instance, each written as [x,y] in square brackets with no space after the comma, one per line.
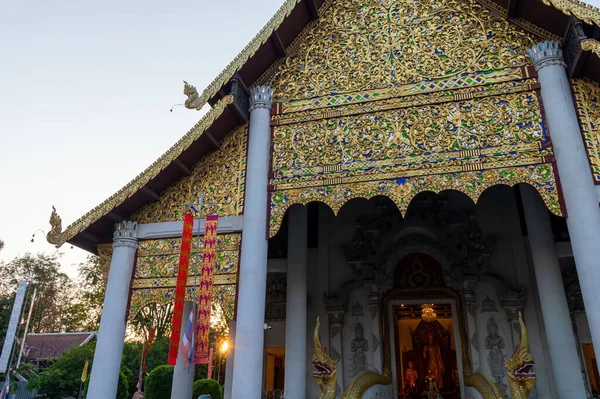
[415,174]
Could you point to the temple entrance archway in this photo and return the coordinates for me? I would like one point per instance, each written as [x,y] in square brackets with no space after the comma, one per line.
[424,330]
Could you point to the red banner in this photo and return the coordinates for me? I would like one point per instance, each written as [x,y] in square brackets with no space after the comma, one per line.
[204,299]
[182,274]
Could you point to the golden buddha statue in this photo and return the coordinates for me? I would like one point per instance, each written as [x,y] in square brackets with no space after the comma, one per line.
[435,364]
[411,376]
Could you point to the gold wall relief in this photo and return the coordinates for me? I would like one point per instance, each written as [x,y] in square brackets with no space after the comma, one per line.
[464,125]
[160,258]
[220,177]
[105,255]
[587,101]
[403,190]
[375,44]
[155,276]
[223,297]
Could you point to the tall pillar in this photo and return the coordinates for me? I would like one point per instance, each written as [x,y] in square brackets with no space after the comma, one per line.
[249,338]
[583,213]
[295,314]
[229,362]
[111,335]
[183,378]
[553,300]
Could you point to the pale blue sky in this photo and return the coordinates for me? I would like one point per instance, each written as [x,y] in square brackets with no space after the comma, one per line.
[85,92]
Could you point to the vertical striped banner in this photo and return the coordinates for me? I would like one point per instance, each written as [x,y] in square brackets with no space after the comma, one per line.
[182,273]
[205,296]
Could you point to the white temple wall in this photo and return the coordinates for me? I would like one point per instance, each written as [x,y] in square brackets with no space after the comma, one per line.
[275,337]
[493,334]
[358,351]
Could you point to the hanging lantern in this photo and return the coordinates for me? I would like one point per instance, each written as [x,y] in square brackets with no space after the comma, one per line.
[428,315]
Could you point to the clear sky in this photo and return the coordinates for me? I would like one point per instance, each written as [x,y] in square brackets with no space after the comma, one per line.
[85,92]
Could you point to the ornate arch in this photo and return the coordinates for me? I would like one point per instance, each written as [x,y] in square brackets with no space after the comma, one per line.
[402,190]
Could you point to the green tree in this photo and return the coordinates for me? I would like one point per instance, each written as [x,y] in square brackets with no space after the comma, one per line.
[5,310]
[63,378]
[158,354]
[210,387]
[157,315]
[159,382]
[91,291]
[132,353]
[55,291]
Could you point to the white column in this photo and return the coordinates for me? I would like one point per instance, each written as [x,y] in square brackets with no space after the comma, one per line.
[249,338]
[553,300]
[583,213]
[183,378]
[111,335]
[295,314]
[229,362]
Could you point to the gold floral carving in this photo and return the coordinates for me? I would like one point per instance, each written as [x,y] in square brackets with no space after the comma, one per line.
[591,45]
[219,177]
[368,45]
[105,254]
[223,296]
[476,82]
[152,171]
[578,9]
[155,276]
[587,100]
[400,133]
[160,258]
[403,190]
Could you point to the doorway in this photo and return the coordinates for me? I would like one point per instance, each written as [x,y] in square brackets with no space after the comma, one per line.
[424,330]
[426,361]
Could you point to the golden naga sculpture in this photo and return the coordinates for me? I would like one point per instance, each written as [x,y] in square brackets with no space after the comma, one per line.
[521,377]
[55,235]
[326,374]
[192,96]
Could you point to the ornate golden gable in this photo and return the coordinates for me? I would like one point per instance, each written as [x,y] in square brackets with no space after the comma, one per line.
[396,97]
[360,45]
[220,177]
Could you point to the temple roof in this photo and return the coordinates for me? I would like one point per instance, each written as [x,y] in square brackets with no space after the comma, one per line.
[547,19]
[53,345]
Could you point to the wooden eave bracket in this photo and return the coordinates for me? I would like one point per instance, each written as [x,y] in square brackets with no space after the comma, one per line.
[183,167]
[312,9]
[512,8]
[278,44]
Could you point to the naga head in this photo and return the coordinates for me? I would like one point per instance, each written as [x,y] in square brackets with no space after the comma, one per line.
[521,376]
[325,367]
[188,89]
